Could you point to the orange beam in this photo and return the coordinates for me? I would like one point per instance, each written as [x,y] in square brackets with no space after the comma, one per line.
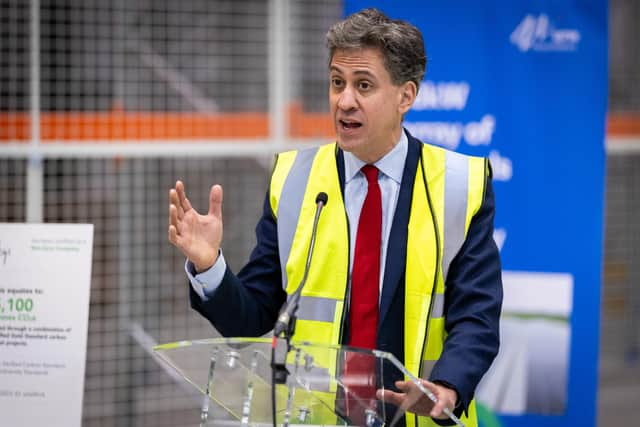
[309,125]
[135,125]
[131,126]
[623,124]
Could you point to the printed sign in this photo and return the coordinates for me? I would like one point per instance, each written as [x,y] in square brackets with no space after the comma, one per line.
[45,275]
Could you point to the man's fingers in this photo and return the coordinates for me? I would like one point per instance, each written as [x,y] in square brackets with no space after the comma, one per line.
[173,226]
[182,195]
[432,387]
[446,399]
[409,394]
[404,386]
[173,216]
[438,409]
[392,397]
[410,399]
[215,201]
[175,201]
[173,235]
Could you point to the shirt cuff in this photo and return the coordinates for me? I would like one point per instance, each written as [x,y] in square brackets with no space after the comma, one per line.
[205,283]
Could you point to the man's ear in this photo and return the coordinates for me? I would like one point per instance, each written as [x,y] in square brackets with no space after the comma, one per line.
[408,93]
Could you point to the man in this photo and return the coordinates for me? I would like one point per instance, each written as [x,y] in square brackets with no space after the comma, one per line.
[404,259]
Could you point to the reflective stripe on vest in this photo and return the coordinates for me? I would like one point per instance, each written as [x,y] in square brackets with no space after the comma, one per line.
[316,308]
[456,182]
[294,187]
[437,307]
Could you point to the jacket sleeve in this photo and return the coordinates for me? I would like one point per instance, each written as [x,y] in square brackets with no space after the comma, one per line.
[248,304]
[473,300]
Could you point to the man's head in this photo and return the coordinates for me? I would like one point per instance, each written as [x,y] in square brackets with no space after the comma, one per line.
[399,42]
[376,66]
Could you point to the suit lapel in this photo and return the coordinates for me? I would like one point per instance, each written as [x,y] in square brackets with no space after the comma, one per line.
[397,245]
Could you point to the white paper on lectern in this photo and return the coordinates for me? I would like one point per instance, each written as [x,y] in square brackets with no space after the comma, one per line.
[45,276]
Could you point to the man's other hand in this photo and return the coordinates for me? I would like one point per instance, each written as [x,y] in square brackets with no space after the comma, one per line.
[411,399]
[197,236]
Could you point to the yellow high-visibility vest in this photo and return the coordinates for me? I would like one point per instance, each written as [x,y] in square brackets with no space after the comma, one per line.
[438,225]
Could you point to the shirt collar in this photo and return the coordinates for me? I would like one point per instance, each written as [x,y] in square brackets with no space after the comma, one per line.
[392,164]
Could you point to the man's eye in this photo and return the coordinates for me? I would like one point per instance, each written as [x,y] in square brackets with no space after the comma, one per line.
[336,82]
[364,85]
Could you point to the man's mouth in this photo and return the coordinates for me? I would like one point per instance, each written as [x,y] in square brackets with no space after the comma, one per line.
[349,124]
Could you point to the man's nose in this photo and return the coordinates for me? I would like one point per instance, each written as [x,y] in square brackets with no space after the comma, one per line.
[347,100]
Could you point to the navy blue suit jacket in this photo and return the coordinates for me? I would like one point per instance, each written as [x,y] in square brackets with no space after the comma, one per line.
[247,304]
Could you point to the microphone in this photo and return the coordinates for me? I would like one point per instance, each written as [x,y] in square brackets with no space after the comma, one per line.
[290,308]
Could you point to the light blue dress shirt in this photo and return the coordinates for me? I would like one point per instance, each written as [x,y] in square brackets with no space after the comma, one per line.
[391,167]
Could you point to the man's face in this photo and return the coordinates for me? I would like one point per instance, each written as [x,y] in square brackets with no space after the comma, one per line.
[366,106]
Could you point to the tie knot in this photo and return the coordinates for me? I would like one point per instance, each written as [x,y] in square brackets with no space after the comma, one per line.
[371,172]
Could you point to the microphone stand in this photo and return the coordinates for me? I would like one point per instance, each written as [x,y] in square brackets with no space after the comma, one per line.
[286,324]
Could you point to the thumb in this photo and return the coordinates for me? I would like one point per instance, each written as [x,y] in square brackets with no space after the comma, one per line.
[215,201]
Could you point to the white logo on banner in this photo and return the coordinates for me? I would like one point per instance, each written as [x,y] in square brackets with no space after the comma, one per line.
[539,34]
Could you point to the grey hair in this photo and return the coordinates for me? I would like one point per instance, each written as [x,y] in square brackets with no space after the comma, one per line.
[400,43]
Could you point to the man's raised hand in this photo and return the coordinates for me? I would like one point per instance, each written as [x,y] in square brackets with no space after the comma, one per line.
[197,236]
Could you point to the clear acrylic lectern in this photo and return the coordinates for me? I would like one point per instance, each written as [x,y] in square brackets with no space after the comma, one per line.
[325,385]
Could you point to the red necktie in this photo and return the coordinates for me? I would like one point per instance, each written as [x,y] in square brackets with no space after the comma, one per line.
[359,375]
[365,274]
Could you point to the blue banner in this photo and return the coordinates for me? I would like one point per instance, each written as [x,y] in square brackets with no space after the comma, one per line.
[525,83]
